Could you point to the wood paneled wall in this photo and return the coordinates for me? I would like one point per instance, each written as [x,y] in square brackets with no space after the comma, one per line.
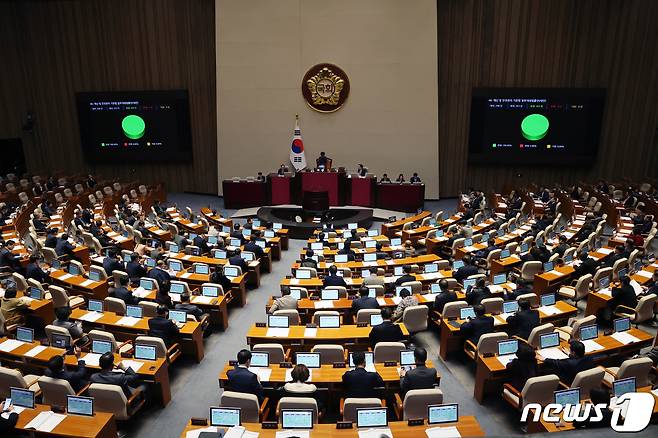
[611,44]
[52,49]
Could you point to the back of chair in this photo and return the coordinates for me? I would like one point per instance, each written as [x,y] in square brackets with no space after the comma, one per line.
[388,351]
[493,305]
[248,404]
[110,398]
[529,269]
[644,308]
[531,297]
[416,402]
[619,264]
[353,403]
[21,283]
[10,377]
[582,322]
[275,351]
[115,305]
[158,343]
[149,308]
[638,368]
[329,353]
[415,318]
[451,310]
[53,329]
[488,343]
[54,391]
[533,338]
[299,403]
[539,390]
[415,287]
[319,313]
[292,314]
[60,298]
[363,315]
[588,379]
[102,335]
[599,274]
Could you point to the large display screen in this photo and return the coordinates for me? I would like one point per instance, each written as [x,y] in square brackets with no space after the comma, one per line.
[135,126]
[535,126]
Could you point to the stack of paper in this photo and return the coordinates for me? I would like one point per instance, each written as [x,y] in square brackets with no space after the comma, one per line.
[87,283]
[645,274]
[591,345]
[375,433]
[91,359]
[606,292]
[310,332]
[202,299]
[135,365]
[549,310]
[36,350]
[64,277]
[294,281]
[636,287]
[381,301]
[140,292]
[605,251]
[495,288]
[262,373]
[397,300]
[45,421]
[128,321]
[324,304]
[442,432]
[10,345]
[625,338]
[91,316]
[552,353]
[506,358]
[277,332]
[186,275]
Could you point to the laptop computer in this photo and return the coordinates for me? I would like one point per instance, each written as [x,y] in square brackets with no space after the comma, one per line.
[94,275]
[202,269]
[95,306]
[466,312]
[99,346]
[549,340]
[407,359]
[210,291]
[371,417]
[510,306]
[145,352]
[232,271]
[548,266]
[370,257]
[505,253]
[623,386]
[25,334]
[370,359]
[457,264]
[341,258]
[376,319]
[22,397]
[500,279]
[439,414]
[296,419]
[370,243]
[78,405]
[431,268]
[589,332]
[567,397]
[278,321]
[329,321]
[329,294]
[302,274]
[622,324]
[60,341]
[219,254]
[225,417]
[260,359]
[547,299]
[35,293]
[469,283]
[179,316]
[509,346]
[311,360]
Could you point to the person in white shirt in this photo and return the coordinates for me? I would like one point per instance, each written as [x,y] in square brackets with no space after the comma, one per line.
[285,302]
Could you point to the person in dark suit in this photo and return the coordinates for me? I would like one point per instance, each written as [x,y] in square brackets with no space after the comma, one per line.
[34,271]
[56,370]
[359,382]
[64,248]
[8,420]
[478,293]
[160,274]
[445,296]
[599,395]
[241,379]
[347,250]
[190,308]
[51,238]
[364,301]
[322,160]
[523,321]
[521,289]
[252,247]
[134,269]
[414,178]
[333,279]
[111,263]
[481,324]
[467,270]
[406,277]
[201,242]
[381,255]
[236,233]
[386,331]
[562,247]
[523,367]
[218,277]
[420,377]
[619,254]
[164,328]
[123,293]
[308,262]
[621,296]
[587,266]
[127,379]
[39,225]
[9,259]
[236,260]
[385,179]
[566,369]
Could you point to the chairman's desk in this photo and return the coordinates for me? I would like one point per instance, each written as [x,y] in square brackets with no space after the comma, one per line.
[244,193]
[490,372]
[303,338]
[467,426]
[451,339]
[401,196]
[100,425]
[191,333]
[151,371]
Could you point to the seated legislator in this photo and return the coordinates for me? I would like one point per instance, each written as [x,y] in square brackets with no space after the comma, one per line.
[236,260]
[478,293]
[111,263]
[240,379]
[408,300]
[524,320]
[621,296]
[467,270]
[34,271]
[333,279]
[406,277]
[385,179]
[308,261]
[373,279]
[51,238]
[387,331]
[521,289]
[299,386]
[63,320]
[123,293]
[476,327]
[284,302]
[8,419]
[359,382]
[444,296]
[11,306]
[77,379]
[523,367]
[188,307]
[420,377]
[134,269]
[125,378]
[599,395]
[364,301]
[164,328]
[566,369]
[218,277]
[252,247]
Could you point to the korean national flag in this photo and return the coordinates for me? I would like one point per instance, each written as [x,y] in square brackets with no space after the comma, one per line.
[297,155]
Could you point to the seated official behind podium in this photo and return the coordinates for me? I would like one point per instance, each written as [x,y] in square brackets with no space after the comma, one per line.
[415,179]
[566,369]
[362,171]
[364,301]
[125,378]
[524,320]
[333,279]
[359,382]
[322,161]
[282,170]
[387,331]
[385,179]
[476,327]
[163,328]
[284,302]
[420,377]
[240,379]
[444,296]
[400,178]
[56,370]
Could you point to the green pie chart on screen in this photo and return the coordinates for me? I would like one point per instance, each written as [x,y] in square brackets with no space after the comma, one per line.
[534,127]
[133,126]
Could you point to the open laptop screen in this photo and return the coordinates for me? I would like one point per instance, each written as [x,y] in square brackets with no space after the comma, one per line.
[448,413]
[224,416]
[371,417]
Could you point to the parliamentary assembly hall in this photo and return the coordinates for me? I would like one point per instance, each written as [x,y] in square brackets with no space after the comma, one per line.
[328,218]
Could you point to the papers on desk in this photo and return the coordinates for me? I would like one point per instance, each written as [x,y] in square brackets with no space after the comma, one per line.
[310,332]
[277,332]
[36,350]
[17,409]
[369,264]
[186,257]
[135,365]
[174,297]
[140,292]
[202,299]
[645,274]
[397,300]
[495,288]
[91,316]
[45,421]
[568,234]
[549,310]
[552,353]
[579,222]
[372,433]
[605,291]
[294,281]
[262,373]
[186,275]
[498,322]
[469,248]
[324,304]
[64,277]
[442,432]
[636,287]
[288,377]
[506,358]
[554,272]
[10,345]
[381,301]
[605,251]
[91,359]
[624,338]
[432,276]
[592,345]
[128,321]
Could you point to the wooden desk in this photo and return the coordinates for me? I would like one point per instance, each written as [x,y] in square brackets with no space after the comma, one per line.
[178,219]
[490,373]
[389,229]
[191,334]
[346,334]
[89,288]
[506,264]
[253,267]
[549,281]
[101,425]
[316,284]
[388,265]
[451,339]
[238,289]
[467,426]
[217,308]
